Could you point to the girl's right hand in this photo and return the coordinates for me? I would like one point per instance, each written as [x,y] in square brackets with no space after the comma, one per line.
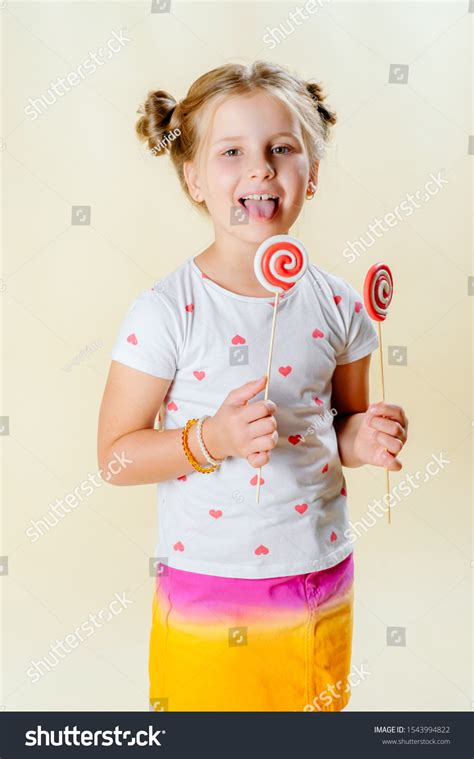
[242,429]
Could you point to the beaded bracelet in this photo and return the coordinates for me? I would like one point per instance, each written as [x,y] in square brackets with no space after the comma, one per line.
[184,439]
[204,451]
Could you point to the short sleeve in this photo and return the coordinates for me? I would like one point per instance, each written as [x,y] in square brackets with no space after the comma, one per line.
[149,335]
[361,336]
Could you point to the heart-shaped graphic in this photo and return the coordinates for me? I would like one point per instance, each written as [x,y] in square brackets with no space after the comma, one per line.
[190,307]
[178,546]
[199,375]
[337,299]
[358,306]
[318,401]
[261,550]
[285,370]
[333,536]
[325,468]
[216,513]
[343,491]
[238,340]
[301,507]
[132,339]
[172,406]
[317,333]
[183,478]
[254,480]
[294,439]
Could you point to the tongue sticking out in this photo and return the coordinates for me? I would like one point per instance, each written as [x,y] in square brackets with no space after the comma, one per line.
[261,209]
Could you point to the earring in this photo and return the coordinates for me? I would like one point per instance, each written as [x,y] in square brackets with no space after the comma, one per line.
[311,191]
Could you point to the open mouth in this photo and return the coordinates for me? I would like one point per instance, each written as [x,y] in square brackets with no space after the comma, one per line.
[260,207]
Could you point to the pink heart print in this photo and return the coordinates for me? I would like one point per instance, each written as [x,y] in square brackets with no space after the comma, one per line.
[190,307]
[294,439]
[178,546]
[254,480]
[285,370]
[333,536]
[325,468]
[358,306]
[261,550]
[337,299]
[172,406]
[199,375]
[238,340]
[317,333]
[183,478]
[318,401]
[343,491]
[216,513]
[132,339]
[301,507]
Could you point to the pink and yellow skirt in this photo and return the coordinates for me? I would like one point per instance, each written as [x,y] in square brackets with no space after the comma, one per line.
[230,644]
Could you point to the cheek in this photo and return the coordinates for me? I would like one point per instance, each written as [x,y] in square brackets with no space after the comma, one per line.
[221,175]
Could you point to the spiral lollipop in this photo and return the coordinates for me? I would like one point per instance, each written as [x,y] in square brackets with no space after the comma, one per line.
[280,261]
[378,292]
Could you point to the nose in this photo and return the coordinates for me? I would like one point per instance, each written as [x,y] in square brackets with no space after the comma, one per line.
[260,168]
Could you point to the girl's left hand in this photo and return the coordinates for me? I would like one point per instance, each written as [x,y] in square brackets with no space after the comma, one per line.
[384,427]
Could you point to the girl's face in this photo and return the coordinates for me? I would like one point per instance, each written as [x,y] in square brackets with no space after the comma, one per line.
[254,147]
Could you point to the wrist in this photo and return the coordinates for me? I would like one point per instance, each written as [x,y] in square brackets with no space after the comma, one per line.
[213,439]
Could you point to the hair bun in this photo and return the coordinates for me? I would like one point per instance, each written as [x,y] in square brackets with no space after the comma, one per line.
[316,92]
[156,113]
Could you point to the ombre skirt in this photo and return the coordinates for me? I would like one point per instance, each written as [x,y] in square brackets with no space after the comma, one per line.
[231,644]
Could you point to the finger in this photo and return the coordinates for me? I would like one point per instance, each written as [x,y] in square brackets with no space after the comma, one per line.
[262,427]
[388,461]
[239,396]
[262,444]
[258,459]
[258,410]
[389,410]
[392,444]
[395,429]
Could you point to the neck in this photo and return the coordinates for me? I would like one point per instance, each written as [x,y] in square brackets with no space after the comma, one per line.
[230,262]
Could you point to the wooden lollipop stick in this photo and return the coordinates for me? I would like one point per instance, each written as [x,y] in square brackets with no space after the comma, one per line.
[270,354]
[383,398]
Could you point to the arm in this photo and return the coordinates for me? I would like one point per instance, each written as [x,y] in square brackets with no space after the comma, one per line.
[128,410]
[350,398]
[365,436]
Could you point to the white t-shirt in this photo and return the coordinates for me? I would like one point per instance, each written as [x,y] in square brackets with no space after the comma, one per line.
[209,340]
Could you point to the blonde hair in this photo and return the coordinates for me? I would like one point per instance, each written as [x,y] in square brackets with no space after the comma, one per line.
[179,129]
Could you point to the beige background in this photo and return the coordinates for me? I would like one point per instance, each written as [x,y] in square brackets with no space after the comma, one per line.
[66,287]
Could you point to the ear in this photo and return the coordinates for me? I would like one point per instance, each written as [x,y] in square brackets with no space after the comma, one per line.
[313,174]
[192,180]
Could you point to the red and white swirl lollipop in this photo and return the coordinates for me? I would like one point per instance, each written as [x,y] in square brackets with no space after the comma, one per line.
[280,261]
[378,292]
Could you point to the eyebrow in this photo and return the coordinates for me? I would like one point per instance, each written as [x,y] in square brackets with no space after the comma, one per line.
[241,137]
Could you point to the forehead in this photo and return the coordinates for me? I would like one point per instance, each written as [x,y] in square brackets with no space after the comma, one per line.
[258,113]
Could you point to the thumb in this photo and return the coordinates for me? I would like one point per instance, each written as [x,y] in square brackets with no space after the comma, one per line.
[241,395]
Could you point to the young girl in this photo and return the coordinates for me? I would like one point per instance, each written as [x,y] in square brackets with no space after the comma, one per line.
[253,606]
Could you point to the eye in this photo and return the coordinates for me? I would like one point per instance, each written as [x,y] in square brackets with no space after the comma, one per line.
[281,147]
[231,150]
